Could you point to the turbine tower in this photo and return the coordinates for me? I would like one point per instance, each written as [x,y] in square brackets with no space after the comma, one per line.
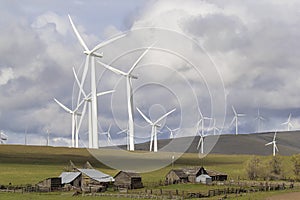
[201,142]
[3,137]
[235,118]
[288,123]
[259,118]
[74,113]
[87,100]
[154,126]
[274,144]
[90,58]
[172,132]
[128,75]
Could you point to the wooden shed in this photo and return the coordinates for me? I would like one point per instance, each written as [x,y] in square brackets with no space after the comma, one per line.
[176,176]
[128,180]
[50,184]
[217,176]
[71,179]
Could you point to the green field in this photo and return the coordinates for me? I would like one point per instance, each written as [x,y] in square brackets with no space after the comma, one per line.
[22,165]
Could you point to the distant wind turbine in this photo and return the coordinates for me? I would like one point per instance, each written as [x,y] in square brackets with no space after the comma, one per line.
[274,144]
[3,137]
[201,143]
[127,138]
[154,126]
[288,123]
[201,123]
[129,76]
[74,113]
[108,135]
[172,132]
[215,128]
[235,119]
[90,58]
[259,118]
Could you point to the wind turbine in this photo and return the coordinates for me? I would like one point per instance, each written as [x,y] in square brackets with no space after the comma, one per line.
[3,137]
[128,75]
[154,126]
[274,144]
[90,58]
[87,99]
[259,118]
[235,118]
[201,121]
[108,135]
[74,113]
[127,138]
[48,136]
[201,142]
[172,132]
[288,123]
[215,128]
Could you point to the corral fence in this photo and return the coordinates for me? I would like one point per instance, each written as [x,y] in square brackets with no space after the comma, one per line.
[164,193]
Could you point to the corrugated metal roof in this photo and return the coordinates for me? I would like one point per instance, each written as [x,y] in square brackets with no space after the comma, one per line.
[68,177]
[97,175]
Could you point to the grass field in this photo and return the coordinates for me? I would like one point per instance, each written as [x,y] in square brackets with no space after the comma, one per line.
[22,165]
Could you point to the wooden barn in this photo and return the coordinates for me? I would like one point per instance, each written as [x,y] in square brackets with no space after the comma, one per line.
[176,176]
[50,184]
[71,178]
[192,173]
[128,180]
[217,176]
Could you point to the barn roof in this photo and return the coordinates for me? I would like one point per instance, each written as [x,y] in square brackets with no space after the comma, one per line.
[129,173]
[97,175]
[68,177]
[180,173]
[215,173]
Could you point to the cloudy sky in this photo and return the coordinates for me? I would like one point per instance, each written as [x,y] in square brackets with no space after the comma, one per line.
[207,56]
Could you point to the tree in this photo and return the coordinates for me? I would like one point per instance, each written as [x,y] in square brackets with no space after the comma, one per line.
[276,169]
[253,167]
[296,165]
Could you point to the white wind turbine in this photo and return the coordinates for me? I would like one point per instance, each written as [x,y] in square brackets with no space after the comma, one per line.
[201,142]
[3,137]
[215,128]
[90,58]
[172,132]
[87,99]
[108,134]
[288,123]
[127,138]
[274,144]
[201,121]
[235,118]
[128,75]
[154,126]
[259,118]
[74,113]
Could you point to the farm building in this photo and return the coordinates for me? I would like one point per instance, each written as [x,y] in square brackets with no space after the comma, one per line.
[191,175]
[203,178]
[176,176]
[71,178]
[129,180]
[217,176]
[50,184]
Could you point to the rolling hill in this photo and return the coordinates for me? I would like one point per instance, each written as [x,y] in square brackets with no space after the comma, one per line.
[288,143]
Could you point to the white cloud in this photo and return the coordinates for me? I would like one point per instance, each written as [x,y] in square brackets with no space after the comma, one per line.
[6,75]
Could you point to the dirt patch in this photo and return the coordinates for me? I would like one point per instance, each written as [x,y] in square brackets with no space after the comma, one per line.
[287,196]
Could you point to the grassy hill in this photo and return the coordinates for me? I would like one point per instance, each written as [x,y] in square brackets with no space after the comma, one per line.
[251,144]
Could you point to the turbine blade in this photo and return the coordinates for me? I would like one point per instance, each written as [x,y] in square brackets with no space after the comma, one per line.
[106,92]
[78,35]
[85,70]
[268,143]
[233,119]
[139,59]
[63,106]
[147,119]
[233,110]
[104,43]
[165,115]
[117,71]
[82,115]
[276,147]
[78,83]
